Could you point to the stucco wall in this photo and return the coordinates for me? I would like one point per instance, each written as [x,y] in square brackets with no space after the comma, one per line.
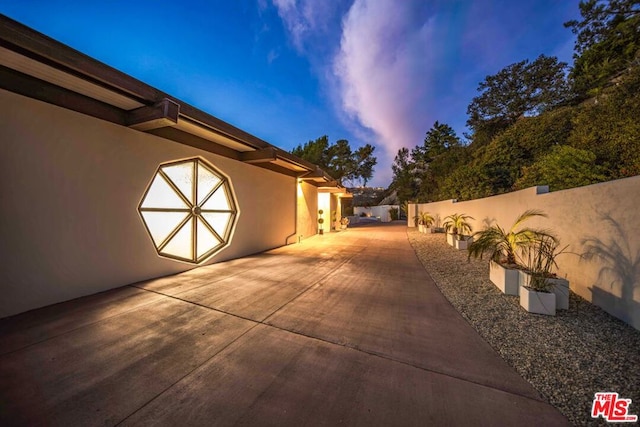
[324,205]
[381,211]
[307,210]
[70,187]
[602,218]
[336,206]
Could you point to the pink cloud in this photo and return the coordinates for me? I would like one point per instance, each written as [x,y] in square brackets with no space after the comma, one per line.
[383,71]
[382,57]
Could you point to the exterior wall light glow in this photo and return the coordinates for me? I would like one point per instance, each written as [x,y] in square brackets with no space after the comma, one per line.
[189,210]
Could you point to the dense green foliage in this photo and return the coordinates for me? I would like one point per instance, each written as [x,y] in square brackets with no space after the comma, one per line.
[531,126]
[607,43]
[563,166]
[610,128]
[417,173]
[338,160]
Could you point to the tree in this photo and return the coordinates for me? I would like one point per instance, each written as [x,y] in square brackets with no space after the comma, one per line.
[456,157]
[338,160]
[440,153]
[364,163]
[520,89]
[403,181]
[315,152]
[607,42]
[440,138]
[340,164]
[417,173]
[600,20]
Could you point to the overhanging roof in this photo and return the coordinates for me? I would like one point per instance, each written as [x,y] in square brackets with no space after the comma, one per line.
[39,67]
[338,190]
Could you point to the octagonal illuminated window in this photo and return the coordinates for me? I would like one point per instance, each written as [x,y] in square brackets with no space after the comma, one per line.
[189,210]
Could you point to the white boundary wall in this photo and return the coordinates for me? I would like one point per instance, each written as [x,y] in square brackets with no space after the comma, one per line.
[381,211]
[607,214]
[70,186]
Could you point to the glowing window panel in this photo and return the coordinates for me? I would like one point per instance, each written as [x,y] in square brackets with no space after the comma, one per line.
[189,210]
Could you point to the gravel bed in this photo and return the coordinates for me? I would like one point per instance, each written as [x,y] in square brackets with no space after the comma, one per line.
[567,358]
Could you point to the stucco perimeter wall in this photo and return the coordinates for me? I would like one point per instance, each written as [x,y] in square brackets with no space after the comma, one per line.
[70,188]
[601,219]
[381,211]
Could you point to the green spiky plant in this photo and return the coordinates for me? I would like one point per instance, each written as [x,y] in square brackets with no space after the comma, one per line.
[505,246]
[427,219]
[405,208]
[541,257]
[457,224]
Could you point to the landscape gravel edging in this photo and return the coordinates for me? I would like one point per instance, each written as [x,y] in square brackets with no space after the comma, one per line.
[567,357]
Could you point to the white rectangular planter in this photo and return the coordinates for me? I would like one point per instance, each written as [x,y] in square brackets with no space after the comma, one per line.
[523,278]
[560,287]
[450,239]
[463,243]
[506,279]
[538,302]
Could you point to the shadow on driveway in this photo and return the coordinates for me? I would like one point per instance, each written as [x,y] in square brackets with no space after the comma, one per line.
[342,328]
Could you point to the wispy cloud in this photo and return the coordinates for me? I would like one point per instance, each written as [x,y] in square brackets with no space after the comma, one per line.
[391,68]
[379,69]
[383,69]
[305,20]
[272,56]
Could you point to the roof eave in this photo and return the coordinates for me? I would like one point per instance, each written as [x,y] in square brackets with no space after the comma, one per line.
[139,105]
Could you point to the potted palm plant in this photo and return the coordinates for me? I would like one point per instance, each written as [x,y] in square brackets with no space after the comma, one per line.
[427,222]
[458,230]
[435,228]
[504,248]
[541,291]
[344,222]
[416,221]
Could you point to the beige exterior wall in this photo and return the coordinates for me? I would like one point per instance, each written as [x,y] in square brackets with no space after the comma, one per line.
[70,187]
[324,205]
[336,206]
[333,213]
[307,210]
[604,214]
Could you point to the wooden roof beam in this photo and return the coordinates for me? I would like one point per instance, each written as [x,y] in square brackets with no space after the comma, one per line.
[162,114]
[265,155]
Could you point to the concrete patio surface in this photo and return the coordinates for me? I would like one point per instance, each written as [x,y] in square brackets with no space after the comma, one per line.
[346,328]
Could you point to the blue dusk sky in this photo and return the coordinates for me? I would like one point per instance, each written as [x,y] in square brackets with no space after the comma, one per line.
[289,71]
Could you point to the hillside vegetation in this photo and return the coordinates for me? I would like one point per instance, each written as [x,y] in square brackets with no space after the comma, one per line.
[542,122]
